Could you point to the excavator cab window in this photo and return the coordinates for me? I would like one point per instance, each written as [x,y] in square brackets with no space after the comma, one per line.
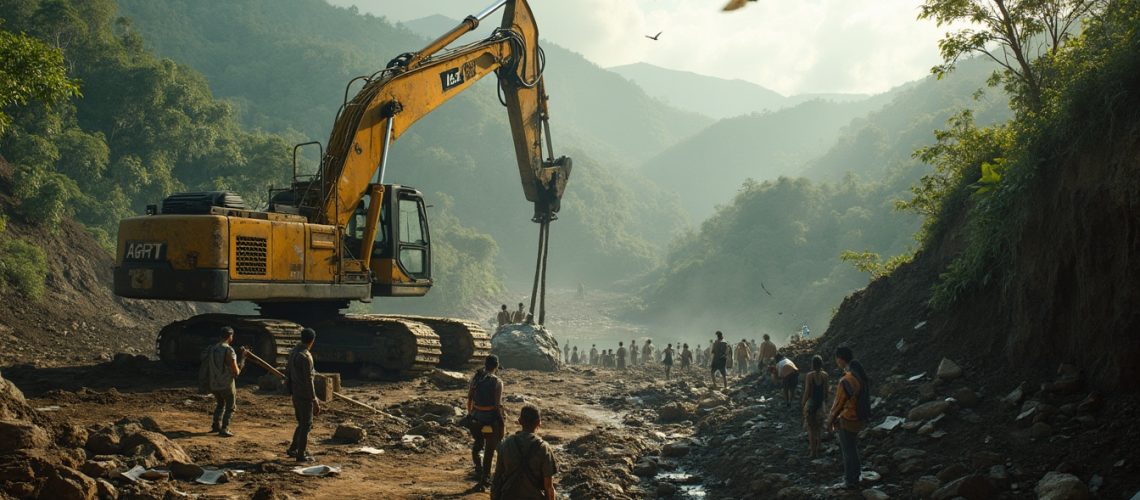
[360,219]
[413,236]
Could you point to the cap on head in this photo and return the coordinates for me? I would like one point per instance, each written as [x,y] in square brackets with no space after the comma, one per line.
[308,335]
[529,416]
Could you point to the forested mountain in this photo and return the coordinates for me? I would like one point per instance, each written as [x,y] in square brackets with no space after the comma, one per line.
[707,168]
[288,64]
[770,259]
[711,96]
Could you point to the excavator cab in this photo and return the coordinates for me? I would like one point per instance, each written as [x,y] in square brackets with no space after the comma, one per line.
[400,258]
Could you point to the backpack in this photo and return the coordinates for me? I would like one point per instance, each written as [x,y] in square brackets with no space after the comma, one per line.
[509,482]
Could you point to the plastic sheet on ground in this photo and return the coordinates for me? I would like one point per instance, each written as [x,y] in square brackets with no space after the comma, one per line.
[317,470]
[368,449]
[890,423]
[412,439]
[916,378]
[211,476]
[139,472]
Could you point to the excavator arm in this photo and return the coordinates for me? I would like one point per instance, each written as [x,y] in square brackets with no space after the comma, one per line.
[416,84]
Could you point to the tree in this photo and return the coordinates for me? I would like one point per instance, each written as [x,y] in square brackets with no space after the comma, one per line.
[30,70]
[1025,32]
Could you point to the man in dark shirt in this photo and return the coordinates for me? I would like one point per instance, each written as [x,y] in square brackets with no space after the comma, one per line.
[526,467]
[720,359]
[305,404]
[224,367]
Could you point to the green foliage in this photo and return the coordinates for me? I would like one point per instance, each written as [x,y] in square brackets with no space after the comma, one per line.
[30,70]
[871,263]
[143,129]
[1094,93]
[23,268]
[1027,33]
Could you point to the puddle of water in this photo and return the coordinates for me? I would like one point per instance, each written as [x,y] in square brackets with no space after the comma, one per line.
[687,485]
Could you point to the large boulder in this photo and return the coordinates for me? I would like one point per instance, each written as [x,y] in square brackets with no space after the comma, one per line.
[66,483]
[18,435]
[147,443]
[526,347]
[13,406]
[1058,486]
[928,410]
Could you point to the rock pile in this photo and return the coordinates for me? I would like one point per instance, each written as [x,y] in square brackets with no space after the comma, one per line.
[40,458]
[526,347]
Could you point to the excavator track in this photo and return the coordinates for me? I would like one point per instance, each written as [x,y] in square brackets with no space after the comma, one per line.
[464,343]
[397,347]
[180,344]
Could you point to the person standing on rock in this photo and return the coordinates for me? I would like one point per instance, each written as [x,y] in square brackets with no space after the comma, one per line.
[686,357]
[742,356]
[305,404]
[485,406]
[815,393]
[526,466]
[788,376]
[504,317]
[720,359]
[621,356]
[667,360]
[848,412]
[519,317]
[633,352]
[593,354]
[223,366]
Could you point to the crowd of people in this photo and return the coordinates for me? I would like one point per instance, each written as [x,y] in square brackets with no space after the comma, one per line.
[849,410]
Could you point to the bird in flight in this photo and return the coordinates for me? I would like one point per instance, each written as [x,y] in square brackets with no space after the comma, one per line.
[736,4]
[654,37]
[765,289]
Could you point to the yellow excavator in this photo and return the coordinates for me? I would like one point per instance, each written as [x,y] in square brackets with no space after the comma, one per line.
[343,234]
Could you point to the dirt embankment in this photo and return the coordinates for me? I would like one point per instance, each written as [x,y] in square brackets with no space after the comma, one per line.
[78,319]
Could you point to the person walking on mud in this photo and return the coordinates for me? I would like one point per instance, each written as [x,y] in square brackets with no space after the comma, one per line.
[593,354]
[742,356]
[485,407]
[720,359]
[223,367]
[566,352]
[300,375]
[686,358]
[647,352]
[815,393]
[621,356]
[633,352]
[574,356]
[849,412]
[787,375]
[526,466]
[767,353]
[667,360]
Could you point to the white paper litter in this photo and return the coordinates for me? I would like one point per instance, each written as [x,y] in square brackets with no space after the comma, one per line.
[890,423]
[412,438]
[317,470]
[48,408]
[369,450]
[916,378]
[133,474]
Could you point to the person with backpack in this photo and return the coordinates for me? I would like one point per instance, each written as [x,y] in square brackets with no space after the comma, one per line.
[485,417]
[850,412]
[526,466]
[815,393]
[217,375]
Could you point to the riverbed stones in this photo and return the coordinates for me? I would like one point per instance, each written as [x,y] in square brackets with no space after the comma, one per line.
[971,487]
[925,486]
[675,449]
[526,347]
[1060,486]
[928,410]
[349,433]
[948,370]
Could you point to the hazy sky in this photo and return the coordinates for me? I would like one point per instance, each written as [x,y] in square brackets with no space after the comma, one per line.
[790,46]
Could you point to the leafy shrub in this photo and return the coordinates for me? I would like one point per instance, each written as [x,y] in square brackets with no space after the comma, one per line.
[23,267]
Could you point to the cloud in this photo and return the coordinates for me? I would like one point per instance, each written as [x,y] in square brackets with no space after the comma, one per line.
[791,46]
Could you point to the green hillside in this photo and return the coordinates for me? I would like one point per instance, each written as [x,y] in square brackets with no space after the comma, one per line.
[716,97]
[286,64]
